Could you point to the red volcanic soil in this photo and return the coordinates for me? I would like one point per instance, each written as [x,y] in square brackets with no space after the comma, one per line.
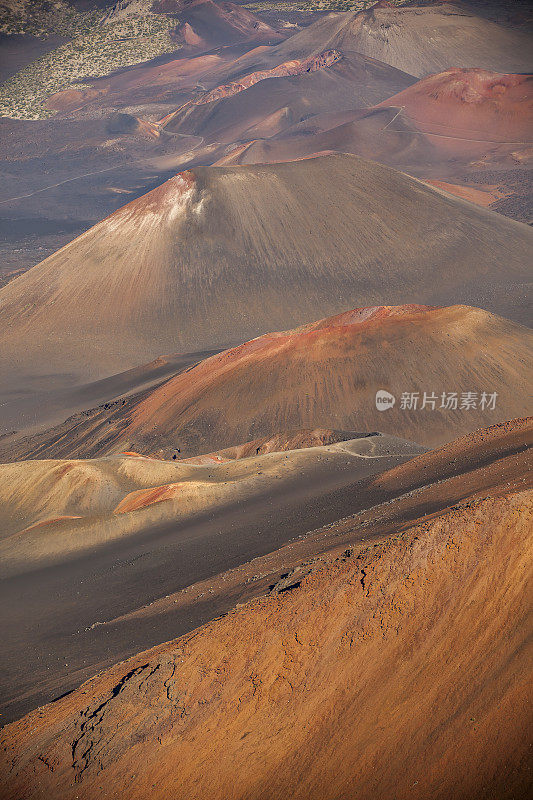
[330,687]
[481,195]
[72,99]
[463,109]
[325,374]
[50,521]
[296,67]
[208,24]
[147,497]
[311,375]
[325,59]
[210,242]
[203,25]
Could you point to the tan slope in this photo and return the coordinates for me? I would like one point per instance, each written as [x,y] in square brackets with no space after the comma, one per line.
[419,644]
[324,374]
[219,255]
[431,38]
[111,585]
[40,499]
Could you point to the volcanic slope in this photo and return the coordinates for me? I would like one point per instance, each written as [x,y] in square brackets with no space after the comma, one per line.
[39,500]
[428,39]
[271,106]
[350,81]
[204,24]
[219,255]
[466,109]
[323,374]
[380,134]
[442,122]
[418,642]
[72,520]
[101,584]
[205,33]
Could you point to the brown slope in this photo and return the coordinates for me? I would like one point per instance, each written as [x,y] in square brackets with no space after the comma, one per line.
[378,133]
[103,493]
[204,24]
[432,38]
[419,644]
[249,250]
[349,81]
[441,127]
[211,99]
[190,76]
[205,32]
[144,580]
[322,374]
[466,110]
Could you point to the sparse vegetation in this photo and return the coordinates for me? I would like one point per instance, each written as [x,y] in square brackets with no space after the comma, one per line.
[44,19]
[318,5]
[311,5]
[99,46]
